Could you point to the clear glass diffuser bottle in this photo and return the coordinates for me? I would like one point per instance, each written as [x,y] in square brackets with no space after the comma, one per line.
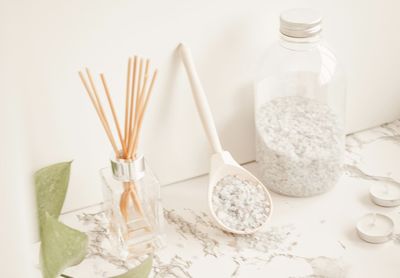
[133,205]
[300,110]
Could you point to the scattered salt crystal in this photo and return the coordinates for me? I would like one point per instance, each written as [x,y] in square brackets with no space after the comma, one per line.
[240,204]
[300,146]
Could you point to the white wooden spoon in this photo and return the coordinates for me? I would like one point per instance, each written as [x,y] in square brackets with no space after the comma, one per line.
[222,163]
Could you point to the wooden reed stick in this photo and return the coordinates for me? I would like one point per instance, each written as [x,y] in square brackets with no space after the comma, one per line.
[135,198]
[123,204]
[146,75]
[128,82]
[96,95]
[133,124]
[94,90]
[144,87]
[139,86]
[139,109]
[130,193]
[132,104]
[153,80]
[140,93]
[148,95]
[110,102]
[96,106]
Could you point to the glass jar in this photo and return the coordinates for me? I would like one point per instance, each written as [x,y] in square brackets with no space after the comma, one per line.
[133,206]
[300,110]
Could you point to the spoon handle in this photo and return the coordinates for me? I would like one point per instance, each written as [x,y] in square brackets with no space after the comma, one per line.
[200,99]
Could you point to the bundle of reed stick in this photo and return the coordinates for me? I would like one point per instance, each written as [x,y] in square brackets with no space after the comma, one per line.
[137,95]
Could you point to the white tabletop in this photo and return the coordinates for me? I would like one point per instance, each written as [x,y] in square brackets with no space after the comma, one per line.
[306,237]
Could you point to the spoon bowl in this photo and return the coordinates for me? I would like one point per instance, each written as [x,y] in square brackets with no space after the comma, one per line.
[222,165]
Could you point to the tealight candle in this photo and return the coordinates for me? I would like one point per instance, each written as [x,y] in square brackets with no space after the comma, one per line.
[375,228]
[386,195]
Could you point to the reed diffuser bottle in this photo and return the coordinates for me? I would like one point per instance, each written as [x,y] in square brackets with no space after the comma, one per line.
[131,191]
[133,205]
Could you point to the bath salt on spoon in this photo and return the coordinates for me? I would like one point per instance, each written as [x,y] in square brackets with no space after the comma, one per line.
[234,194]
[240,204]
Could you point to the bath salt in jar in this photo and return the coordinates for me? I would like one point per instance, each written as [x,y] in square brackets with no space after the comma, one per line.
[299,110]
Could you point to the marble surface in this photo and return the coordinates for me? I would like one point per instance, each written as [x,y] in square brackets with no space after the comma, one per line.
[306,237]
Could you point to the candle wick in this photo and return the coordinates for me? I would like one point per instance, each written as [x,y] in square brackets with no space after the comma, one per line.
[386,189]
[373,219]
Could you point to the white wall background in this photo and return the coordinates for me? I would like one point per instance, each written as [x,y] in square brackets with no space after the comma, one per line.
[17,214]
[55,39]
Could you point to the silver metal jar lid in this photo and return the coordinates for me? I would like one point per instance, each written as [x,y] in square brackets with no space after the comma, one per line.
[128,169]
[300,23]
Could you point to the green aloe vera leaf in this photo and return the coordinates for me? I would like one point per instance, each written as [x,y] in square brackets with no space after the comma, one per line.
[141,271]
[61,247]
[51,187]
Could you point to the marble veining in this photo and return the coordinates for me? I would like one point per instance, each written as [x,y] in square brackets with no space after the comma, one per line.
[355,172]
[188,229]
[175,267]
[276,241]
